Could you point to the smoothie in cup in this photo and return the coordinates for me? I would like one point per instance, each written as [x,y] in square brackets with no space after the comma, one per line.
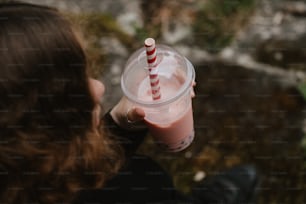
[170,119]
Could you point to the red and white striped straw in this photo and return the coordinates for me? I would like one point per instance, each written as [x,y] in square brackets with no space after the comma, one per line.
[151,59]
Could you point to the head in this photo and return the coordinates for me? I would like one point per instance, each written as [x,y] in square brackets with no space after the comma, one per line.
[50,146]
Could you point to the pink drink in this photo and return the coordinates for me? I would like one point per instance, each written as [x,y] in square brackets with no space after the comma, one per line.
[172,125]
[169,118]
[174,136]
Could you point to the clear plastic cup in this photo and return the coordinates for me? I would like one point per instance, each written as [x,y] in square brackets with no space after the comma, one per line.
[170,119]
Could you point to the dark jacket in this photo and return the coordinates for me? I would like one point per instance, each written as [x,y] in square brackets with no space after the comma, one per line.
[141,180]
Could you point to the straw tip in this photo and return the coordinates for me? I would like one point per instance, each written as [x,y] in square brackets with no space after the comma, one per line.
[149,42]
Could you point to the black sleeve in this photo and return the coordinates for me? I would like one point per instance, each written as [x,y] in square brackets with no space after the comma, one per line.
[129,140]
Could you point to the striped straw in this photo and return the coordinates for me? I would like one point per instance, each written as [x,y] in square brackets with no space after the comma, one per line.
[151,59]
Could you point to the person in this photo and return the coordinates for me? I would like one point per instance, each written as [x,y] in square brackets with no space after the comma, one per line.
[55,147]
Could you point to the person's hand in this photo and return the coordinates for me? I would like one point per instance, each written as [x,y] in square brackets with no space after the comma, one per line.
[128,116]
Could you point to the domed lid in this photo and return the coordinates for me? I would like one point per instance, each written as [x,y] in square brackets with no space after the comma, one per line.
[171,66]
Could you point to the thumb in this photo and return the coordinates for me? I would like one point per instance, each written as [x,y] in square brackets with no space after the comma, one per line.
[135,115]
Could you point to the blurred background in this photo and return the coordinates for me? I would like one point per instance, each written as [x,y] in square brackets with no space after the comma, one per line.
[250,61]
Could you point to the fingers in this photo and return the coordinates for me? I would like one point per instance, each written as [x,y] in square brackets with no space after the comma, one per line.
[127,116]
[192,93]
[135,115]
[192,89]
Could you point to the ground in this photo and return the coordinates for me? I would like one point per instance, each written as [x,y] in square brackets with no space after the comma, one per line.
[240,118]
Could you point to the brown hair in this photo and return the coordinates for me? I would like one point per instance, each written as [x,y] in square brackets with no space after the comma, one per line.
[48,148]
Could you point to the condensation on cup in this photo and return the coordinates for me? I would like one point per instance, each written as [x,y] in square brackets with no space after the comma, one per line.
[170,119]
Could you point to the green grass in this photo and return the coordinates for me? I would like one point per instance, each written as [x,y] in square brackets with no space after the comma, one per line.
[217,23]
[302,89]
